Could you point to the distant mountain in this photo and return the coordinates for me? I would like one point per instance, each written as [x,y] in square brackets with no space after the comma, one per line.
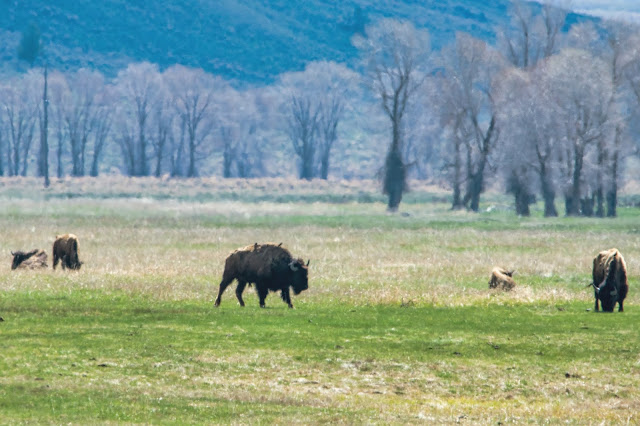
[250,41]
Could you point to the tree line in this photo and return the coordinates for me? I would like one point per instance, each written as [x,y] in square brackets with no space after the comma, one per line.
[546,112]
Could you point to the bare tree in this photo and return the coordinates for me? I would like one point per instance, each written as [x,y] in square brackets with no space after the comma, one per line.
[581,86]
[469,68]
[103,120]
[138,86]
[240,121]
[192,92]
[302,128]
[531,36]
[529,153]
[320,93]
[43,156]
[20,111]
[395,54]
[79,110]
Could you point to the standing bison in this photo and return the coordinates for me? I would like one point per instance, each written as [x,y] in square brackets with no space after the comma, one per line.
[610,280]
[270,267]
[65,249]
[33,259]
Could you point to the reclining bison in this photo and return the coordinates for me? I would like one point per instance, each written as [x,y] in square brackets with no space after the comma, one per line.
[65,249]
[502,279]
[270,267]
[33,259]
[610,280]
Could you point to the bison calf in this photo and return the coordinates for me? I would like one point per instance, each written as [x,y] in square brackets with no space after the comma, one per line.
[610,280]
[65,249]
[270,267]
[501,279]
[33,259]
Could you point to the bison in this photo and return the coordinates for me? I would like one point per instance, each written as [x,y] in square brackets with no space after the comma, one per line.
[502,279]
[270,267]
[610,280]
[33,259]
[65,249]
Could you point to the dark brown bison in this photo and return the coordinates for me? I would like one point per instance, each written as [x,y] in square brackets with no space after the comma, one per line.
[501,279]
[270,267]
[610,280]
[33,259]
[65,249]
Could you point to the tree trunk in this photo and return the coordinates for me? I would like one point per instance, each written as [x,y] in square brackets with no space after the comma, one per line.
[548,193]
[574,206]
[394,179]
[457,178]
[612,193]
[521,195]
[44,135]
[324,166]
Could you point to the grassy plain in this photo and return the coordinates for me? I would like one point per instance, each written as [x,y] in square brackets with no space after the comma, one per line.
[398,325]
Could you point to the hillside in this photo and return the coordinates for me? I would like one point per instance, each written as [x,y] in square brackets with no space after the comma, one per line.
[251,41]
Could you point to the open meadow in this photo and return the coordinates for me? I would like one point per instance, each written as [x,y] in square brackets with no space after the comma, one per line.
[398,324]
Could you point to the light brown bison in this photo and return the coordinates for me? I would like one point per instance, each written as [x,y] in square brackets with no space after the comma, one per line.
[502,279]
[270,267]
[33,259]
[610,280]
[65,249]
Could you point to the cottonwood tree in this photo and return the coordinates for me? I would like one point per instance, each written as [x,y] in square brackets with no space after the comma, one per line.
[315,105]
[79,111]
[529,154]
[532,36]
[103,120]
[326,87]
[193,93]
[621,52]
[240,122]
[395,54]
[137,86]
[20,111]
[58,94]
[581,86]
[469,113]
[302,129]
[43,118]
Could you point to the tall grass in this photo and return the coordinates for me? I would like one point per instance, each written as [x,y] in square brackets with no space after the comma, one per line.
[398,325]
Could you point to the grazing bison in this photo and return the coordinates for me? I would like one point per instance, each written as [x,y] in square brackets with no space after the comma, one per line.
[33,259]
[65,249]
[502,279]
[610,280]
[270,267]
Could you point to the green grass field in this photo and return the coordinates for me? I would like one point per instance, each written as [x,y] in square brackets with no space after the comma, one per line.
[398,325]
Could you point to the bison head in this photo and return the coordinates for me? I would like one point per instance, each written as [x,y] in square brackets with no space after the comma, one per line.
[20,256]
[608,295]
[300,281]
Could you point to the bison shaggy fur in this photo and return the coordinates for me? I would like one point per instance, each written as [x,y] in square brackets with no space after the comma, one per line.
[33,259]
[610,280]
[270,267]
[502,279]
[65,249]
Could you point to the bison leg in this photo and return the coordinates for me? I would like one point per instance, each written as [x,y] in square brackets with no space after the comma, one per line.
[597,304]
[620,307]
[223,286]
[286,296]
[262,294]
[55,261]
[239,290]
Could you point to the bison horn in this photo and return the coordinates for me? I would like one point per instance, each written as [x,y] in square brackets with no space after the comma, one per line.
[12,253]
[308,261]
[293,265]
